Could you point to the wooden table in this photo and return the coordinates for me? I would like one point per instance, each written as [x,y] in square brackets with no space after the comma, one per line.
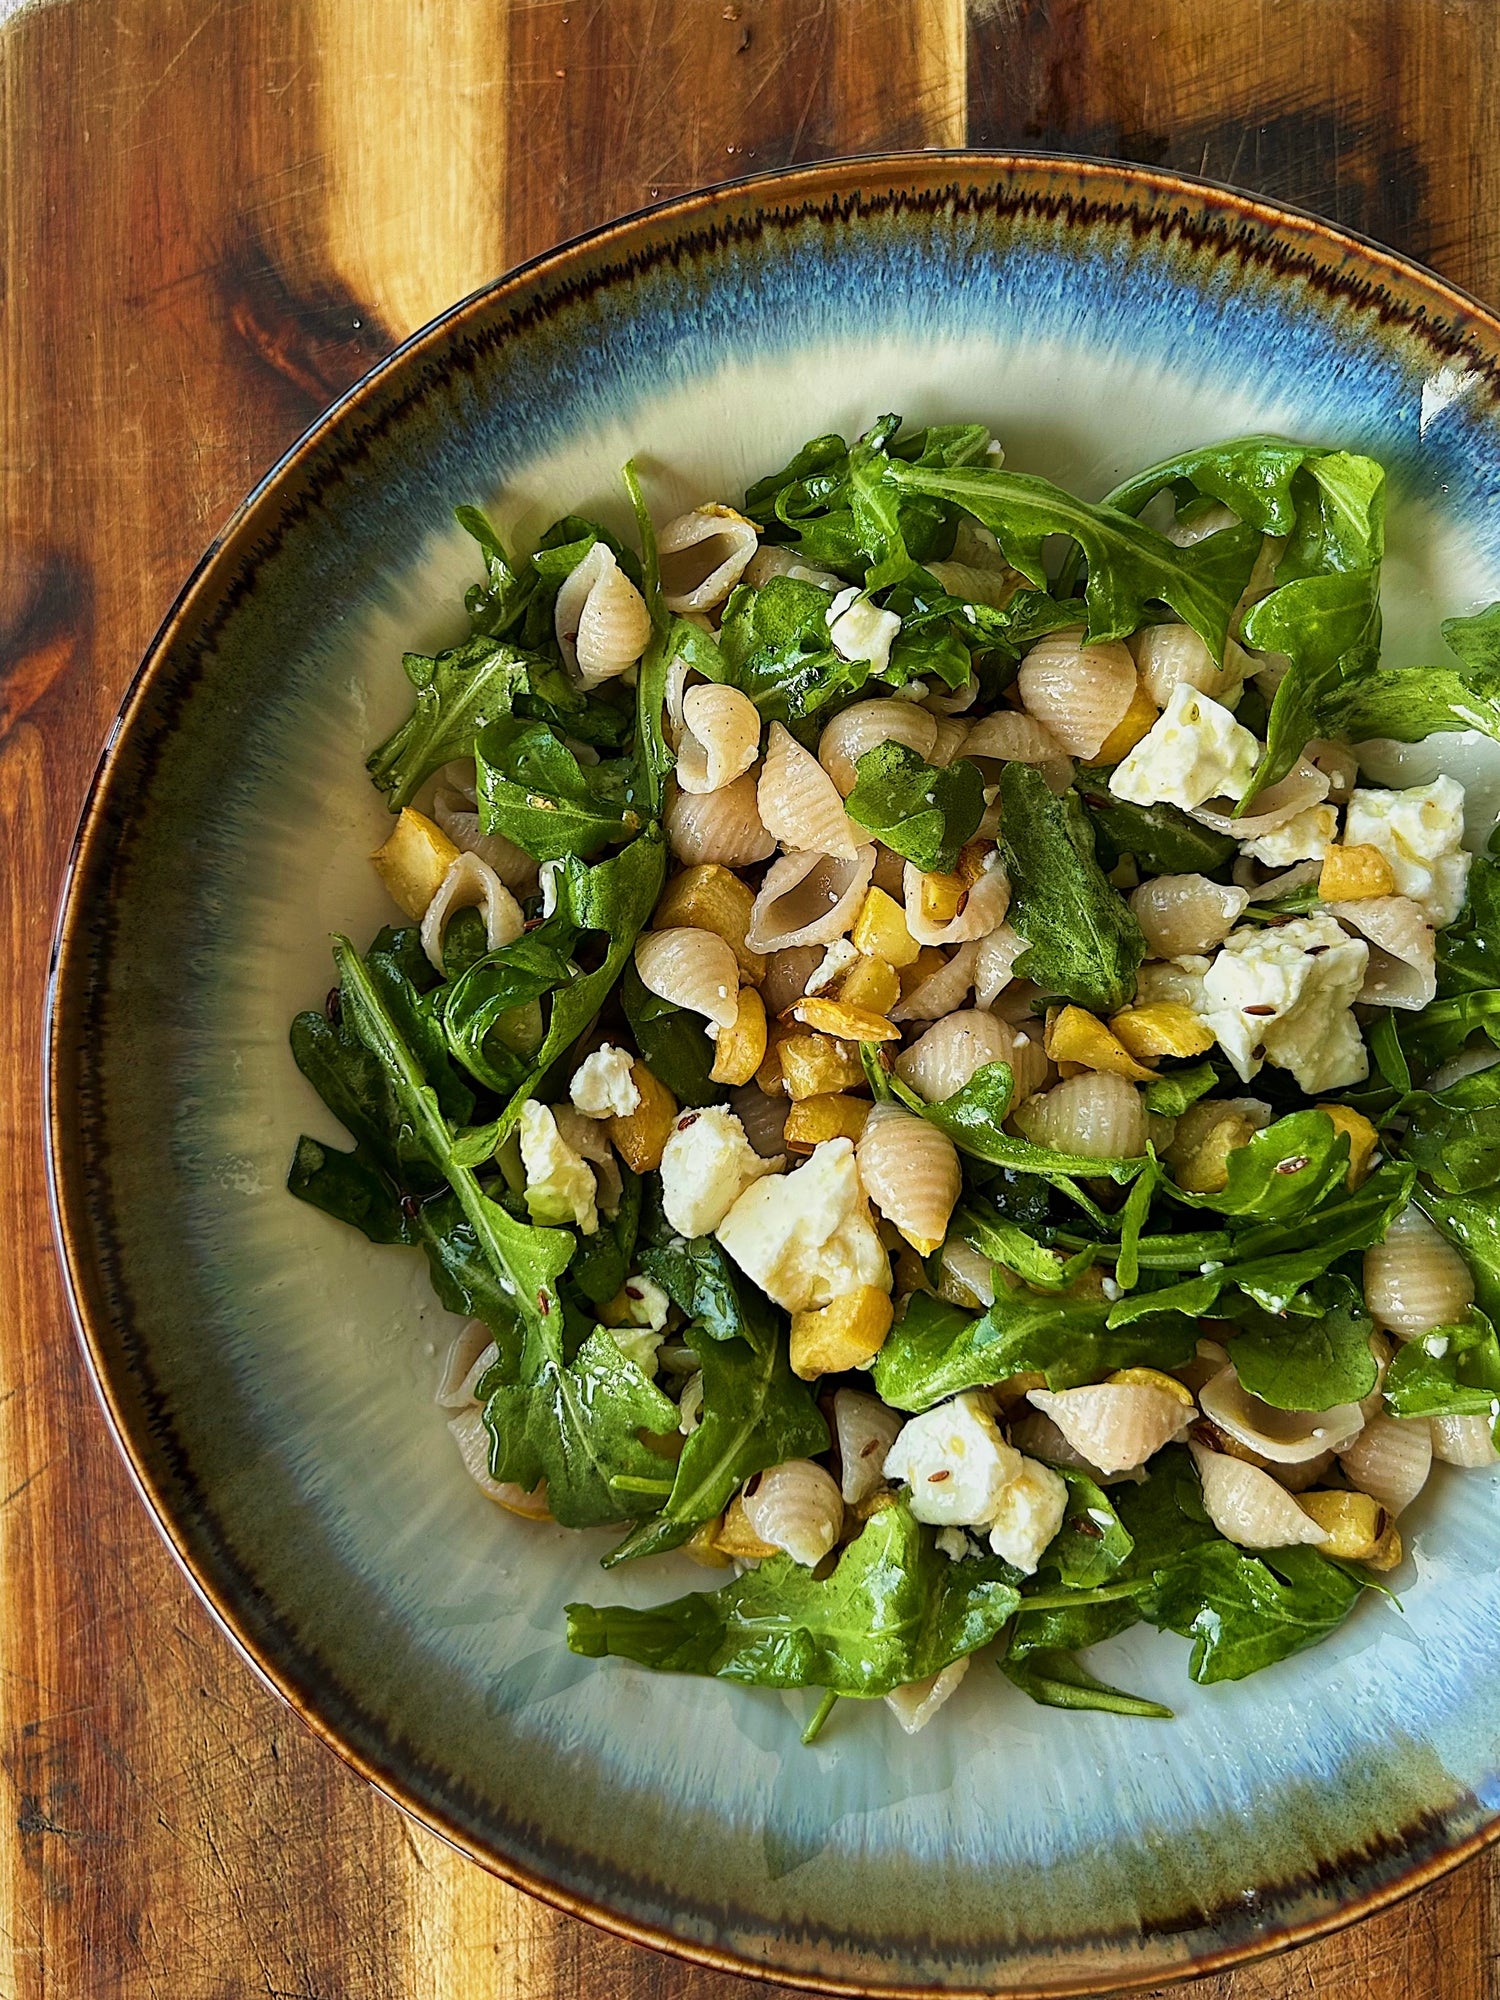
[216,214]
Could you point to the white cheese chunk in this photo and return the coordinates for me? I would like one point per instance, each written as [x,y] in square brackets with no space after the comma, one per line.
[1306,836]
[1029,1514]
[645,1303]
[1195,750]
[602,1085]
[859,631]
[806,1238]
[1282,995]
[560,1186]
[1420,832]
[836,961]
[706,1165]
[955,1462]
[637,1344]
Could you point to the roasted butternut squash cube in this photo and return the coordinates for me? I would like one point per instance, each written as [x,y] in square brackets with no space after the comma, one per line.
[880,930]
[1349,874]
[871,983]
[736,1537]
[814,1065]
[711,898]
[842,1335]
[1354,1523]
[640,1136]
[1075,1036]
[815,1119]
[1363,1139]
[413,862]
[740,1049]
[941,897]
[1135,723]
[846,1023]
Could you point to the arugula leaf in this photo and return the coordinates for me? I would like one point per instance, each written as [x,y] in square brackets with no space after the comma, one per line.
[755,1414]
[459,693]
[1056,1680]
[1093,1541]
[1005,1242]
[1472,1221]
[775,647]
[937,1350]
[1295,1362]
[820,455]
[1454,1371]
[1129,566]
[1252,476]
[602,1262]
[1412,703]
[488,1020]
[526,1261]
[1083,941]
[1437,1033]
[1170,1095]
[698,1277]
[533,790]
[1163,840]
[577,1425]
[924,813]
[927,653]
[1284,1171]
[892,1612]
[1468,951]
[672,1043]
[1243,1611]
[1453,1135]
[347,1187]
[499,603]
[614,897]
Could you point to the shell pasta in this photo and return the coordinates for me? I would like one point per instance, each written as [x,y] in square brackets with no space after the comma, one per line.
[926,1099]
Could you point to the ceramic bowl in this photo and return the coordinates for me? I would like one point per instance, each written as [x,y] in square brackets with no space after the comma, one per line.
[270,1376]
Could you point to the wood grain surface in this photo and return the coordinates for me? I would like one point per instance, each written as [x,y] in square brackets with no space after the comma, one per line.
[215,214]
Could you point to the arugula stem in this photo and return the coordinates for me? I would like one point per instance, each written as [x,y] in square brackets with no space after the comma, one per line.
[824,1709]
[625,1482]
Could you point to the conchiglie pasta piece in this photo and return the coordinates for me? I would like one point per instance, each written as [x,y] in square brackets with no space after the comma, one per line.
[1390,1460]
[994,587]
[941,991]
[994,968]
[720,737]
[787,974]
[1466,1441]
[703,556]
[911,1173]
[864,1430]
[471,884]
[1173,656]
[1079,691]
[692,969]
[948,740]
[1402,968]
[1303,786]
[473,1440]
[1415,1280]
[952,1050]
[455,813]
[764,1120]
[864,724]
[982,906]
[769,561]
[795,1506]
[1249,1507]
[1115,1425]
[1183,915]
[799,803]
[809,899]
[1010,736]
[1099,1116]
[723,826]
[468,1355]
[601,619]
[1286,1437]
[915,1704]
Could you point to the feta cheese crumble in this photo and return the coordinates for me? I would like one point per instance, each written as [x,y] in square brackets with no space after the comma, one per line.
[1194,751]
[706,1165]
[560,1186]
[602,1085]
[1282,995]
[859,631]
[956,1463]
[1420,832]
[1307,836]
[806,1237]
[1029,1514]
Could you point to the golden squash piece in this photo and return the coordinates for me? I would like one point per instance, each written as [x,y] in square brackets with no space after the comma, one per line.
[1135,723]
[941,897]
[1354,1523]
[927,961]
[741,1049]
[702,1545]
[640,1136]
[413,862]
[1076,1036]
[842,1335]
[711,898]
[846,1023]
[814,1065]
[880,930]
[871,983]
[737,1538]
[1351,873]
[1363,1139]
[815,1119]
[1387,1552]
[1165,1028]
[768,1078]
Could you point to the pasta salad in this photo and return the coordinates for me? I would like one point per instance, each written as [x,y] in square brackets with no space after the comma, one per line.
[937,1084]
